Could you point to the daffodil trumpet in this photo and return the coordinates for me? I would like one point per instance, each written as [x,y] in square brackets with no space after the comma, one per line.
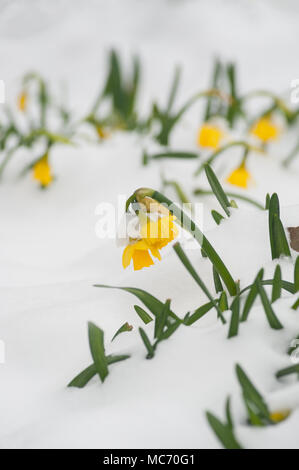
[143,195]
[240,176]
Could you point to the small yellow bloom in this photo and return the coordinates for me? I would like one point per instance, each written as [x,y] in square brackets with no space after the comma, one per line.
[239,177]
[209,136]
[22,101]
[42,172]
[154,236]
[265,129]
[102,133]
[278,416]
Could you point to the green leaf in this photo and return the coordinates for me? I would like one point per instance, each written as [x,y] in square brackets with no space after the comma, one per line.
[223,432]
[122,329]
[296,275]
[170,330]
[161,320]
[217,281]
[228,414]
[223,304]
[87,374]
[235,318]
[278,240]
[147,344]
[152,303]
[276,288]
[217,189]
[267,202]
[200,312]
[186,262]
[251,394]
[217,217]
[97,349]
[145,317]
[287,371]
[84,377]
[251,296]
[271,317]
[188,224]
[295,304]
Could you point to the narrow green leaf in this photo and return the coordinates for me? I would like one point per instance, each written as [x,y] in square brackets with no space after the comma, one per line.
[295,304]
[122,329]
[160,321]
[152,303]
[186,262]
[251,296]
[223,432]
[217,189]
[228,414]
[145,317]
[287,371]
[200,312]
[170,330]
[188,224]
[87,374]
[271,317]
[267,202]
[84,377]
[251,394]
[223,304]
[276,288]
[147,344]
[217,217]
[97,349]
[217,281]
[278,240]
[235,318]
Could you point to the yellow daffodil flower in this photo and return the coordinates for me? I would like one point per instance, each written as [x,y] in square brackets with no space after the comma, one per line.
[265,129]
[42,172]
[22,101]
[239,177]
[209,136]
[154,236]
[278,416]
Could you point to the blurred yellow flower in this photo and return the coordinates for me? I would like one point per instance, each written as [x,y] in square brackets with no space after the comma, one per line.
[265,129]
[209,136]
[42,172]
[22,101]
[102,133]
[154,236]
[239,177]
[278,416]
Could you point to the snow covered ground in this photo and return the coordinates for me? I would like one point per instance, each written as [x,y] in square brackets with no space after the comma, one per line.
[50,255]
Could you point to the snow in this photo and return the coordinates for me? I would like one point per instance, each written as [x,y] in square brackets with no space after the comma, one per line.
[50,256]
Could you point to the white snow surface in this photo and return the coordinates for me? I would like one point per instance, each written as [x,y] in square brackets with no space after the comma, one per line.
[50,256]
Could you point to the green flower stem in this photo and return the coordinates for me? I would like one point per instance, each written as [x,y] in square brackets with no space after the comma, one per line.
[188,224]
[202,192]
[237,143]
[291,156]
